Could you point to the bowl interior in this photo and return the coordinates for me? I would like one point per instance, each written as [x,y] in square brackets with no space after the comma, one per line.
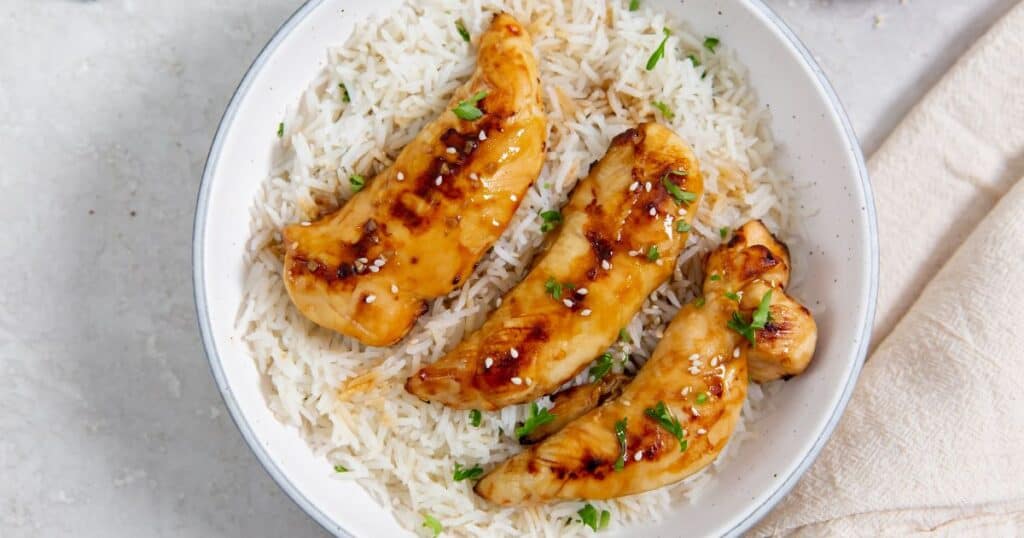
[816,146]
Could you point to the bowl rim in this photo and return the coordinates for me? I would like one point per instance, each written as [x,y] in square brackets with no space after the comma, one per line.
[270,466]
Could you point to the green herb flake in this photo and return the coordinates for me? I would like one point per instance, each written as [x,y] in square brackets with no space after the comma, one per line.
[659,52]
[340,469]
[553,288]
[663,416]
[711,43]
[694,60]
[475,417]
[760,318]
[763,312]
[552,218]
[462,473]
[624,336]
[537,417]
[716,277]
[357,182]
[461,27]
[590,517]
[699,302]
[682,226]
[467,110]
[620,434]
[664,109]
[433,524]
[280,130]
[345,98]
[634,5]
[723,232]
[732,295]
[679,195]
[653,254]
[737,324]
[702,398]
[601,367]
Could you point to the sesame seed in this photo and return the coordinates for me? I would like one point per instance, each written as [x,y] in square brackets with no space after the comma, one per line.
[394,288]
[606,265]
[451,150]
[659,262]
[659,333]
[714,361]
[495,222]
[529,381]
[686,390]
[438,180]
[370,298]
[585,312]
[379,262]
[488,196]
[362,260]
[567,302]
[497,302]
[634,253]
[682,211]
[514,198]
[653,212]
[473,176]
[626,403]
[583,291]
[488,362]
[483,135]
[517,380]
[295,245]
[694,411]
[514,352]
[694,370]
[647,186]
[634,186]
[400,176]
[701,431]
[694,357]
[736,352]
[307,223]
[374,268]
[639,455]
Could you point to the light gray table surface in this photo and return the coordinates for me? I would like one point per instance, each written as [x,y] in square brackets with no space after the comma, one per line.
[110,424]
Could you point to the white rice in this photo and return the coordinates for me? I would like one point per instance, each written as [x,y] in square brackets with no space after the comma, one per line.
[347,399]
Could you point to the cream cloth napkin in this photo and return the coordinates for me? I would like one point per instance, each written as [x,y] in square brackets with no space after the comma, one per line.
[933,439]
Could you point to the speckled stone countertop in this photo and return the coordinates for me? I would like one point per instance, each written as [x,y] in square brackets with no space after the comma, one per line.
[110,424]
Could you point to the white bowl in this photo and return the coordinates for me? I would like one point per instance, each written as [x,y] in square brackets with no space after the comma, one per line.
[816,144]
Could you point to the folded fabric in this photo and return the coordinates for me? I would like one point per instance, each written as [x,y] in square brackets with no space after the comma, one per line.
[932,439]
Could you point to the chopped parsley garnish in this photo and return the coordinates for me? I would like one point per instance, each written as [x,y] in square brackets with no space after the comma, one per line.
[732,295]
[665,110]
[758,321]
[659,53]
[723,232]
[653,254]
[340,469]
[433,524]
[461,27]
[702,397]
[345,98]
[601,367]
[594,519]
[710,43]
[694,60]
[552,218]
[634,5]
[463,473]
[357,182]
[280,129]
[620,434]
[624,336]
[679,195]
[553,288]
[663,416]
[682,226]
[699,302]
[467,110]
[716,277]
[475,416]
[538,416]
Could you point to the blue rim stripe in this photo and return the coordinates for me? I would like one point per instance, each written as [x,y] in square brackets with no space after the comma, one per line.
[213,356]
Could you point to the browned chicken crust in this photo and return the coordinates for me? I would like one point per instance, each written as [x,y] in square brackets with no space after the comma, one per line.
[420,226]
[698,373]
[619,241]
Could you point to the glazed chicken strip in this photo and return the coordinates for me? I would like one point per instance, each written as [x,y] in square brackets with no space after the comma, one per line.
[624,226]
[677,414]
[418,228]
